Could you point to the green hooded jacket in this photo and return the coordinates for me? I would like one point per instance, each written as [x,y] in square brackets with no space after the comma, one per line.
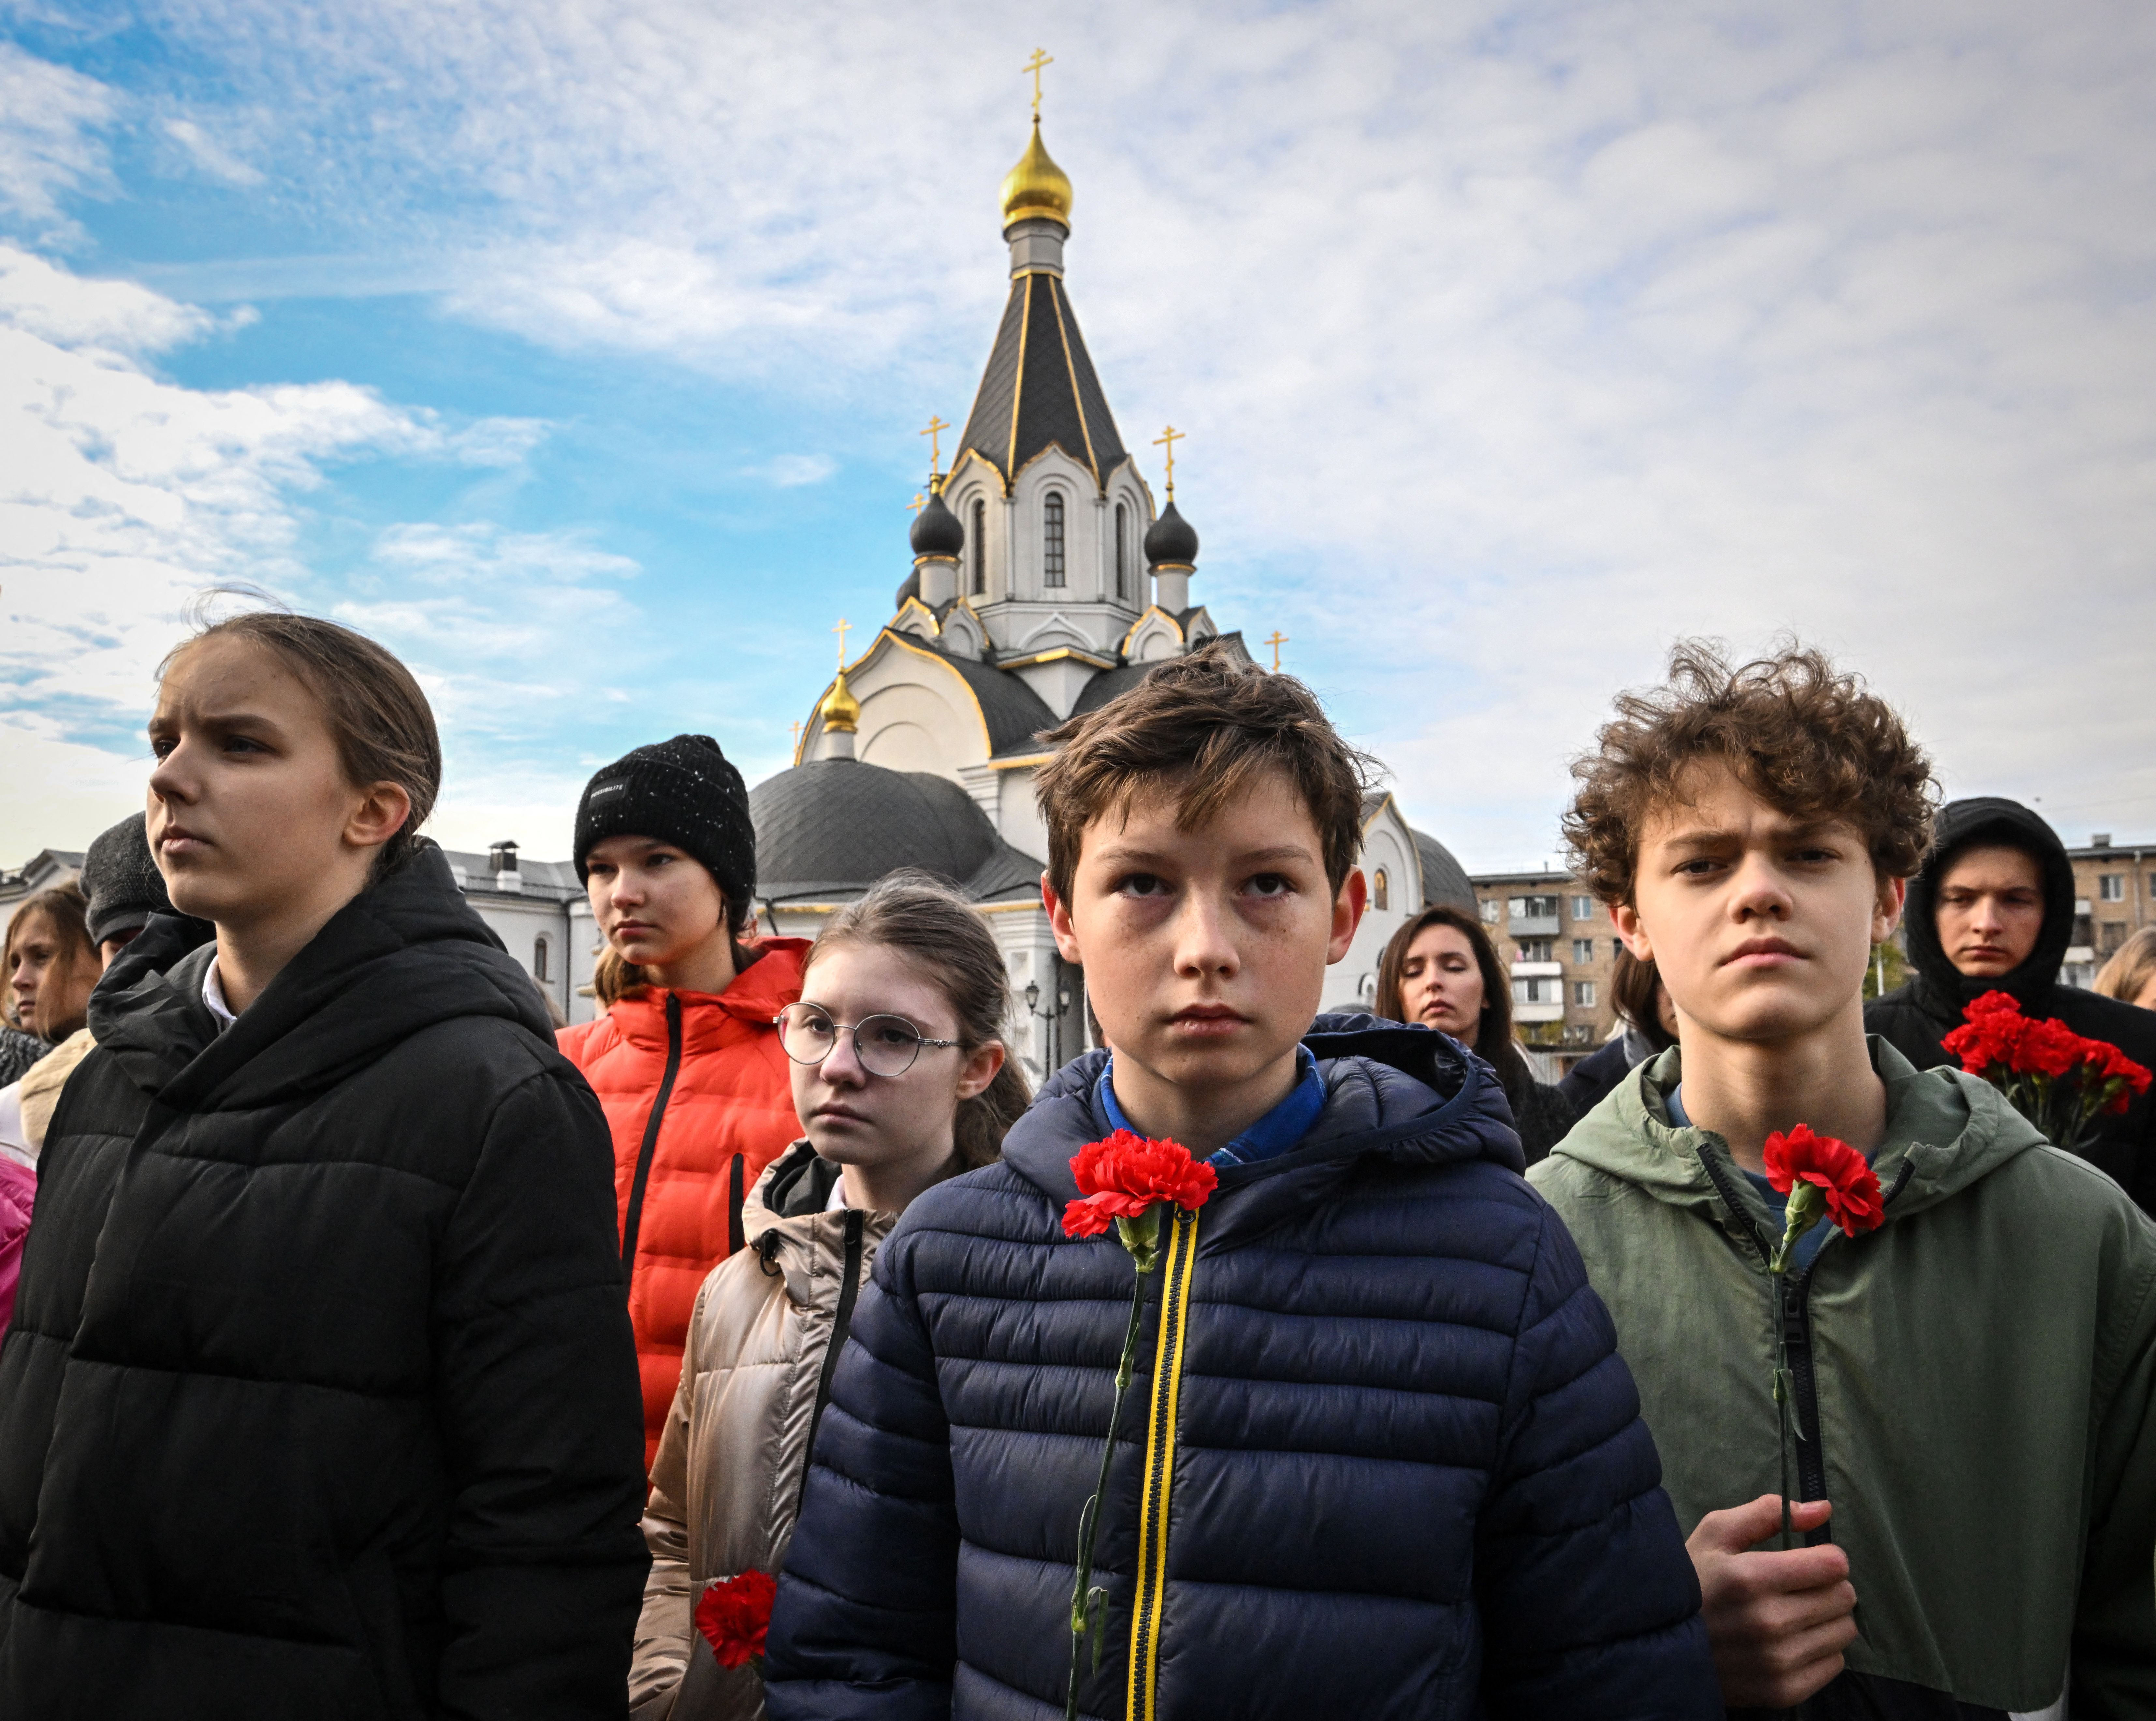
[1979,1376]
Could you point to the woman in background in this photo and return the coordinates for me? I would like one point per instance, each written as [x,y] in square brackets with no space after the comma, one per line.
[900,1078]
[51,966]
[1441,970]
[685,1061]
[1648,1025]
[2130,975]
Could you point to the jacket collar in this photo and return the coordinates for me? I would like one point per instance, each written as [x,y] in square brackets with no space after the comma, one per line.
[786,1220]
[758,992]
[1944,1131]
[1401,1095]
[403,955]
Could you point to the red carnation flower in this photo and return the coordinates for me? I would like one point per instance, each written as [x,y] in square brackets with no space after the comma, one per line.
[2107,1064]
[1993,1003]
[734,1615]
[2048,1047]
[1849,1186]
[1125,1175]
[1991,1036]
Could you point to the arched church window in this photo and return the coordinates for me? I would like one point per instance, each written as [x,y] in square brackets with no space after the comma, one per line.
[1122,552]
[1051,538]
[539,960]
[1381,890]
[980,549]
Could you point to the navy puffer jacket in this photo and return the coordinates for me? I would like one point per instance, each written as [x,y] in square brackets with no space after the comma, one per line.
[1401,1472]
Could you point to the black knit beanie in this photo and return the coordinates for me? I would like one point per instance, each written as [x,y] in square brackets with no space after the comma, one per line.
[682,792]
[122,881]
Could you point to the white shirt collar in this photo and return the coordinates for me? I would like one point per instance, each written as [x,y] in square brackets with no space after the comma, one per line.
[213,997]
[837,1204]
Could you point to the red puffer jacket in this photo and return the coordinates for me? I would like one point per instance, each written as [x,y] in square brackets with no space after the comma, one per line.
[696,1091]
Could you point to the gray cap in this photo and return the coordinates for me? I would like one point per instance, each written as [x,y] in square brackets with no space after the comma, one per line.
[122,881]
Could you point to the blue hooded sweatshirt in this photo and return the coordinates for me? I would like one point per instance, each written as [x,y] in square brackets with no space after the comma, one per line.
[1380,1457]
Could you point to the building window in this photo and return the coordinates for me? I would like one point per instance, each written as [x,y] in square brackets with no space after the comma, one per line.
[1489,911]
[2113,935]
[1583,907]
[1051,539]
[980,549]
[1381,892]
[1123,560]
[539,961]
[2111,887]
[1536,991]
[1582,949]
[1583,994]
[1538,950]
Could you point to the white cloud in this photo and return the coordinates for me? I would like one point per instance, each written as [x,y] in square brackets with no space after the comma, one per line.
[211,156]
[122,495]
[791,471]
[1511,343]
[47,115]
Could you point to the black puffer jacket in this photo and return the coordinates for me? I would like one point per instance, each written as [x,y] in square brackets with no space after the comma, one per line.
[1381,1454]
[1915,1017]
[320,1399]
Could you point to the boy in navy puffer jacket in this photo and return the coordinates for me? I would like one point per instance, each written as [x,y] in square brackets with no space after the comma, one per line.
[1398,1470]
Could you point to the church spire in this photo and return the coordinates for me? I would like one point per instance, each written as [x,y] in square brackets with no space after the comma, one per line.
[1040,386]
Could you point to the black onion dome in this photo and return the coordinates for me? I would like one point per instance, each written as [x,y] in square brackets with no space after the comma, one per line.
[1171,539]
[831,828]
[937,531]
[910,587]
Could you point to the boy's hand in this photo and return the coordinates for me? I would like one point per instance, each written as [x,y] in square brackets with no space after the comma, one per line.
[1778,1622]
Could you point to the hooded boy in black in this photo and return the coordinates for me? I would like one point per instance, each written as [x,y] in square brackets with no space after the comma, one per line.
[320,1399]
[1915,1017]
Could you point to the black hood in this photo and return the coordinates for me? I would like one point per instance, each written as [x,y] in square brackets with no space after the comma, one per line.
[1944,990]
[403,955]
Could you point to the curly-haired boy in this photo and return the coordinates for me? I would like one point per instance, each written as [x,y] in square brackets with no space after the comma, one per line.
[1973,1380]
[1390,1464]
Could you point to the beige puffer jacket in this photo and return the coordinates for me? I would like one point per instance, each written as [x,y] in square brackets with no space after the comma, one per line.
[727,1482]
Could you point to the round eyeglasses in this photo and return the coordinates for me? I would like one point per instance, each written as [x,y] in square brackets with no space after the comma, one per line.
[886,1045]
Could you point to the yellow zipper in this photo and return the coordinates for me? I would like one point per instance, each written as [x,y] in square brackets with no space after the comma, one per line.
[1159,1473]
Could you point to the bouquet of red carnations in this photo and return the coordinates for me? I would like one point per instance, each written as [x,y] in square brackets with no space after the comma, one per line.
[2059,1082]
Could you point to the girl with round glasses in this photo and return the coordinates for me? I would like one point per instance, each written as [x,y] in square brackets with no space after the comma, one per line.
[901,1078]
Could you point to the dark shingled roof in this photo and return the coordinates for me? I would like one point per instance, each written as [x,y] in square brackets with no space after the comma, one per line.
[832,828]
[1444,879]
[1110,684]
[1014,712]
[1056,399]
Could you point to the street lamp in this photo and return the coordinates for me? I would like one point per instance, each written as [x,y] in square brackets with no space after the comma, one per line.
[1033,1002]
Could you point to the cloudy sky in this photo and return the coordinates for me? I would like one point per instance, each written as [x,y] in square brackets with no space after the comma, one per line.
[575,348]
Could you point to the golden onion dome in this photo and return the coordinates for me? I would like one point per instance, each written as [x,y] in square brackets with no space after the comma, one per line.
[841,711]
[1036,188]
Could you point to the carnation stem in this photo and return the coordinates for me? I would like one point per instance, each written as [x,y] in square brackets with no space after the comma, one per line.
[1089,1522]
[1781,1386]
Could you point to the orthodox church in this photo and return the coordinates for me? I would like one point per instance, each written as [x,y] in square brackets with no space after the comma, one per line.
[1043,583]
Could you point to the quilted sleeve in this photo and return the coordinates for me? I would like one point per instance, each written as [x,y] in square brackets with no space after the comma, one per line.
[866,1623]
[542,1417]
[1588,1599]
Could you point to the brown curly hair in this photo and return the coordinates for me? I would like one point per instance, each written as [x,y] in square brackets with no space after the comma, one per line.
[1811,740]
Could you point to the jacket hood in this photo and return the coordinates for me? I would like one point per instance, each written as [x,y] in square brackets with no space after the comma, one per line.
[1944,990]
[787,1219]
[1408,1096]
[1945,1130]
[401,956]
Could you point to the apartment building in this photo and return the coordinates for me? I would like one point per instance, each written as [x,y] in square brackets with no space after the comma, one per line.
[2115,896]
[1558,941]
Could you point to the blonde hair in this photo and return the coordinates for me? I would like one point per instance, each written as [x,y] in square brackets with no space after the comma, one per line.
[2131,967]
[932,925]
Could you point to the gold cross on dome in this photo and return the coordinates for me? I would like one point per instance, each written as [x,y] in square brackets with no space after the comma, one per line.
[934,431]
[917,503]
[797,737]
[1277,641]
[1167,439]
[842,628]
[1041,57]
